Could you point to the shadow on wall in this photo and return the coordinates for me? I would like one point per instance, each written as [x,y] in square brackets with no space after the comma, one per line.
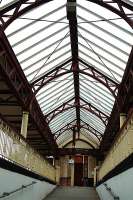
[121,186]
[10,181]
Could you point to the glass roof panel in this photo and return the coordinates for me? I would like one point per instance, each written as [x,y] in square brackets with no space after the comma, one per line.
[94,97]
[92,120]
[62,119]
[64,137]
[99,37]
[41,41]
[89,135]
[5,3]
[95,87]
[100,100]
[55,93]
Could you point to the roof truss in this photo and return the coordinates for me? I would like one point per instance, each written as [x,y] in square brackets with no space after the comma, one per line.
[71,16]
[74,68]
[18,10]
[85,105]
[11,71]
[84,125]
[88,70]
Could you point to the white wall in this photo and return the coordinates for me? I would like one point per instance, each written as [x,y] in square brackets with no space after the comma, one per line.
[10,181]
[79,144]
[121,185]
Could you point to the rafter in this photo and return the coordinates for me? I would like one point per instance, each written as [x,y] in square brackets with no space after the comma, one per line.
[24,94]
[125,91]
[84,125]
[22,7]
[61,70]
[125,3]
[71,104]
[65,106]
[72,18]
[89,107]
[64,128]
[18,84]
[116,10]
[91,129]
[48,77]
[100,77]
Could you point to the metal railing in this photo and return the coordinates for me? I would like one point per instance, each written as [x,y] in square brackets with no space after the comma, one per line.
[5,194]
[111,192]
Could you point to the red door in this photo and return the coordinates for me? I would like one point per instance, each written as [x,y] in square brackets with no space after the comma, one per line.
[78,171]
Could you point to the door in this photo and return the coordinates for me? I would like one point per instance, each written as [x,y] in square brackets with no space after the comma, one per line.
[78,171]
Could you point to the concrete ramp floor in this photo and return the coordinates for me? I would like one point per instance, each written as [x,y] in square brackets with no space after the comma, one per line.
[73,193]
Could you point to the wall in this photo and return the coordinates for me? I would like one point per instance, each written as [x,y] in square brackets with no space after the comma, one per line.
[79,144]
[121,148]
[66,170]
[82,137]
[121,185]
[91,166]
[10,181]
[15,149]
[57,164]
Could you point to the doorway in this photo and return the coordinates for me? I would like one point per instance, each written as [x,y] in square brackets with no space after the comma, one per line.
[78,171]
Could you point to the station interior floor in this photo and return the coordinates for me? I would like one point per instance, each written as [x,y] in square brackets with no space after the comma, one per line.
[73,193]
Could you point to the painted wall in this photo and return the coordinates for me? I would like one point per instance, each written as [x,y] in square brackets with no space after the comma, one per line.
[64,166]
[121,185]
[91,166]
[10,181]
[63,143]
[120,150]
[66,170]
[79,144]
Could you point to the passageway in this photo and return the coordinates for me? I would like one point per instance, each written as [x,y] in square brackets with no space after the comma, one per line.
[73,193]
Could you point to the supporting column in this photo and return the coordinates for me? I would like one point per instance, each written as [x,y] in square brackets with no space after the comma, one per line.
[71,167]
[91,169]
[72,174]
[64,171]
[57,167]
[24,124]
[122,119]
[96,175]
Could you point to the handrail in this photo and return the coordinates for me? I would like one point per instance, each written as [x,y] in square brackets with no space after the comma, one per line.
[111,192]
[5,194]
